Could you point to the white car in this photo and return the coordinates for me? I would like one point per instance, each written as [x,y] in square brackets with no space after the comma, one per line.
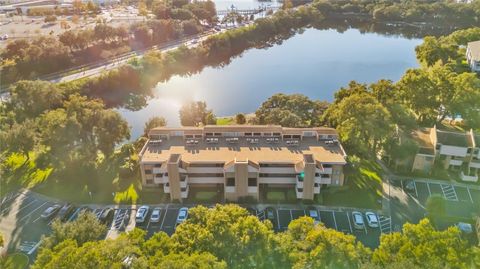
[182,215]
[142,213]
[372,219]
[358,222]
[156,214]
[314,215]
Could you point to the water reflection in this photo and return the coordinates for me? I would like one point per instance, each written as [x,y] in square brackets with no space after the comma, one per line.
[315,63]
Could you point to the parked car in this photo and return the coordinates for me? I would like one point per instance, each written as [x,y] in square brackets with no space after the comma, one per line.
[50,212]
[358,222]
[157,211]
[182,215]
[270,213]
[313,213]
[142,213]
[409,186]
[372,219]
[106,216]
[464,227]
[65,212]
[251,211]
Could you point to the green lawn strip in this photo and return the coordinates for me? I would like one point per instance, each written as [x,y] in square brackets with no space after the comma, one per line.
[276,196]
[363,187]
[205,195]
[16,261]
[225,121]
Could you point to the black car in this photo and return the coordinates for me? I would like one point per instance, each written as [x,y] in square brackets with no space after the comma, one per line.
[65,212]
[107,216]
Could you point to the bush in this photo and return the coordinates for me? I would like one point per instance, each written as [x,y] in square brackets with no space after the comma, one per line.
[50,19]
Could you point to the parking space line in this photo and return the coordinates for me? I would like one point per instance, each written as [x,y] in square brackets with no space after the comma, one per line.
[164,217]
[291,215]
[278,220]
[334,220]
[349,224]
[31,212]
[25,206]
[469,194]
[14,203]
[428,187]
[415,187]
[11,197]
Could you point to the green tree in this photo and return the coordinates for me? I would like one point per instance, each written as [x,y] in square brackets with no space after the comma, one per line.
[196,113]
[435,206]
[425,247]
[306,245]
[363,123]
[20,137]
[153,123]
[82,230]
[294,110]
[229,233]
[240,118]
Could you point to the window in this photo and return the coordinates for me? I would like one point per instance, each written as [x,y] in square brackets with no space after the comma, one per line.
[438,147]
[231,182]
[188,136]
[276,134]
[325,165]
[252,182]
[148,171]
[209,134]
[183,189]
[300,189]
[257,134]
[248,134]
[159,175]
[149,181]
[166,174]
[469,150]
[317,174]
[206,165]
[286,165]
[158,165]
[325,176]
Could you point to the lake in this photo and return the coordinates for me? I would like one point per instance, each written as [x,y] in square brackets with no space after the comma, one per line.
[315,63]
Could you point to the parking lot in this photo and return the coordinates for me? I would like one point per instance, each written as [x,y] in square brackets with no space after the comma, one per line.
[22,225]
[462,200]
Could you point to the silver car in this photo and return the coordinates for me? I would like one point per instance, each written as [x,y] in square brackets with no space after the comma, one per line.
[156,214]
[358,222]
[372,219]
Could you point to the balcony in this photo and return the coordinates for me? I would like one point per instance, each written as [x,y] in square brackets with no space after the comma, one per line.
[299,182]
[253,189]
[184,192]
[475,164]
[327,170]
[183,181]
[299,193]
[469,178]
[316,189]
[230,189]
[166,188]
[323,180]
[456,162]
[157,170]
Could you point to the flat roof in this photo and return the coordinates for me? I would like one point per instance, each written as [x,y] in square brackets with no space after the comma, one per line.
[452,139]
[243,129]
[422,138]
[243,150]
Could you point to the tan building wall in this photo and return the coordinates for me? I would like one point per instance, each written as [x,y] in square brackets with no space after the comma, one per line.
[308,181]
[174,181]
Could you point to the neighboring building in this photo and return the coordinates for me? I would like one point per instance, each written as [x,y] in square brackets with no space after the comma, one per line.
[242,160]
[473,55]
[454,151]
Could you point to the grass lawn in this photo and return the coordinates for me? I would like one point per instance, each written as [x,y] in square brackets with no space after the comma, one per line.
[276,196]
[205,195]
[363,187]
[225,120]
[16,261]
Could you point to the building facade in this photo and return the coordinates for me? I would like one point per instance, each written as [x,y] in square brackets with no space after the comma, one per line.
[473,55]
[242,160]
[456,151]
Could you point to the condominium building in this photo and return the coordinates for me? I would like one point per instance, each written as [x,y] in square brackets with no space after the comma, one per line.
[456,151]
[473,55]
[242,160]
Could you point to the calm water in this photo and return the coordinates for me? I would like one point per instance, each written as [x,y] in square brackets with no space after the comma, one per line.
[315,63]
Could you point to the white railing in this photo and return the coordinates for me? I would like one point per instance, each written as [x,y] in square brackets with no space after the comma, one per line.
[475,164]
[157,170]
[324,180]
[299,194]
[328,170]
[316,190]
[456,162]
[229,189]
[469,178]
[253,189]
[166,189]
[184,194]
